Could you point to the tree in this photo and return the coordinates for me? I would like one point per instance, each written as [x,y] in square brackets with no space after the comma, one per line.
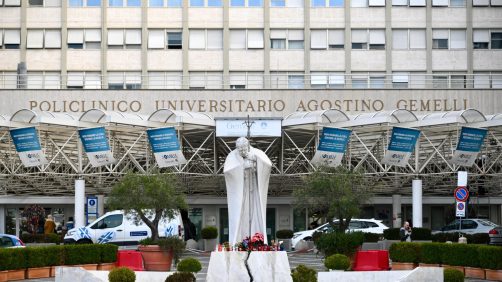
[333,193]
[150,198]
[34,215]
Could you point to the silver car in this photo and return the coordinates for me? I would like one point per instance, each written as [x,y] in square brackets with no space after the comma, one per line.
[496,236]
[469,226]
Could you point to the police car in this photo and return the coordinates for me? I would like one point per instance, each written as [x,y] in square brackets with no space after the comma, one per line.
[117,228]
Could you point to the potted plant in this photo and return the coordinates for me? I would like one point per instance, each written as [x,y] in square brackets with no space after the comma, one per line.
[285,235]
[452,275]
[108,256]
[337,262]
[181,277]
[404,255]
[36,263]
[13,261]
[189,265]
[121,274]
[490,258]
[302,273]
[150,198]
[209,234]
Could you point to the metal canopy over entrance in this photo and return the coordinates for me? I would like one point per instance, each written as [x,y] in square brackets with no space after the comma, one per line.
[290,154]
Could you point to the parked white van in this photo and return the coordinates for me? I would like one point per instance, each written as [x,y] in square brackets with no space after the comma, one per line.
[117,228]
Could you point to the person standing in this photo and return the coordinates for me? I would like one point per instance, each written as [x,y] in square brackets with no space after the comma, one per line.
[405,232]
[49,225]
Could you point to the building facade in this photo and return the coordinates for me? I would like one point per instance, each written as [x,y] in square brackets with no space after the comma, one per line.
[264,58]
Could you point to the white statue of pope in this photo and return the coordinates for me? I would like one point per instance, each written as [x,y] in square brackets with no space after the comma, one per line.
[247,173]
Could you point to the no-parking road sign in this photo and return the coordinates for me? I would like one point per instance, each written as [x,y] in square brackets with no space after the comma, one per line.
[461,194]
[460,212]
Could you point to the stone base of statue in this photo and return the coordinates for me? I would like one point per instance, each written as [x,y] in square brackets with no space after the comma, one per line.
[264,266]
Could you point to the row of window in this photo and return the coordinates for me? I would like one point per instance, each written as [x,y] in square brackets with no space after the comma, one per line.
[250,3]
[254,80]
[281,39]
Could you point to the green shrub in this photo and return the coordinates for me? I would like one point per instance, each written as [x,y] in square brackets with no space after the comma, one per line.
[82,254]
[431,253]
[108,253]
[55,255]
[405,252]
[391,234]
[42,238]
[490,257]
[303,274]
[337,261]
[339,243]
[189,265]
[460,255]
[121,274]
[181,277]
[12,259]
[371,237]
[209,232]
[284,234]
[173,243]
[420,234]
[35,256]
[452,275]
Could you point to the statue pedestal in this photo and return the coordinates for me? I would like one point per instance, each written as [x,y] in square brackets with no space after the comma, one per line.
[264,266]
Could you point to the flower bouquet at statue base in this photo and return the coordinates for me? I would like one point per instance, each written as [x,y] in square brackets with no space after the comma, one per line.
[255,243]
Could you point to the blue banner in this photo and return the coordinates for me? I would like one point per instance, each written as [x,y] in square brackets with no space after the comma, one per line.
[96,146]
[165,146]
[471,139]
[403,139]
[334,140]
[401,145]
[25,139]
[94,139]
[163,139]
[332,145]
[468,146]
[28,146]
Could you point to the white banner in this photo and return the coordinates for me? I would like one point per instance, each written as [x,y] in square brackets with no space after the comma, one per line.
[238,128]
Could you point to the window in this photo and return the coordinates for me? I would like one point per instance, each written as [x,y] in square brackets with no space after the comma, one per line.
[157,40]
[488,80]
[327,80]
[327,3]
[110,221]
[440,81]
[196,3]
[206,3]
[480,38]
[399,2]
[331,39]
[246,39]
[445,38]
[400,80]
[165,80]
[206,80]
[450,3]
[124,38]
[494,3]
[296,81]
[84,38]
[376,3]
[8,80]
[246,3]
[440,39]
[11,38]
[10,3]
[245,80]
[43,38]
[287,3]
[358,3]
[156,3]
[45,3]
[206,39]
[496,38]
[115,3]
[286,39]
[376,39]
[404,39]
[83,80]
[174,3]
[469,224]
[377,80]
[255,3]
[237,3]
[124,80]
[214,3]
[359,81]
[43,80]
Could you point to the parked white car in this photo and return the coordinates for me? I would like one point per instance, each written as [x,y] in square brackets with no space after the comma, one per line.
[117,228]
[468,226]
[362,225]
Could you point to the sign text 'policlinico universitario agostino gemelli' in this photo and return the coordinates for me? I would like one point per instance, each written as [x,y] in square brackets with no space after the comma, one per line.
[332,145]
[96,146]
[28,146]
[401,145]
[165,146]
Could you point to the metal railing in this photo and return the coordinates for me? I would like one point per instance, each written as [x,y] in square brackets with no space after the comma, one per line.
[253,81]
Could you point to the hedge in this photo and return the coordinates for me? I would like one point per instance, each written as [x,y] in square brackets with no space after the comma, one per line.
[20,258]
[339,243]
[478,238]
[371,237]
[405,252]
[423,234]
[471,255]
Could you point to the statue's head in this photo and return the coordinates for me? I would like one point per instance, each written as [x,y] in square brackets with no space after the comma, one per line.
[242,145]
